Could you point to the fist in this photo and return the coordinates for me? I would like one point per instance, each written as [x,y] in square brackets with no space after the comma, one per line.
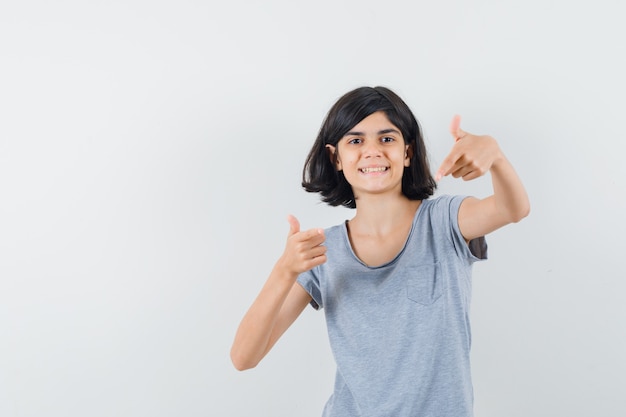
[304,250]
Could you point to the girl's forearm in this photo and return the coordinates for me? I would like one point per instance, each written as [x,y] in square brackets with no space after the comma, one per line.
[252,340]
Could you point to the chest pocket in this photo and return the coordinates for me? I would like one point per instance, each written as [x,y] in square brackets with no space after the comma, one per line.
[425,283]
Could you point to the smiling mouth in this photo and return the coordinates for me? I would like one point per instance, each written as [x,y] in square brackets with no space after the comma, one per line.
[373,169]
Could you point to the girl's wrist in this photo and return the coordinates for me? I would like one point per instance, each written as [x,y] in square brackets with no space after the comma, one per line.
[283,272]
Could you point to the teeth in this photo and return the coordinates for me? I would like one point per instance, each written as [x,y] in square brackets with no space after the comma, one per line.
[377,169]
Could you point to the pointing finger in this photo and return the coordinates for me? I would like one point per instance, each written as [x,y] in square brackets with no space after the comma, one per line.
[446,166]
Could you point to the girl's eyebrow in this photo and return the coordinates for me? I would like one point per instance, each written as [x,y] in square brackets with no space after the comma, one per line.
[380,132]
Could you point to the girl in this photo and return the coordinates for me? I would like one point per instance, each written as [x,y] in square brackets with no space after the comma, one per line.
[395,280]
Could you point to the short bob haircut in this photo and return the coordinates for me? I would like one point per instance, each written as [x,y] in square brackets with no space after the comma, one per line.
[320,174]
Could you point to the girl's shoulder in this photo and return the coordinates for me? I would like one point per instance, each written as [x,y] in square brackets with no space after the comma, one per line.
[442,210]
[443,201]
[336,232]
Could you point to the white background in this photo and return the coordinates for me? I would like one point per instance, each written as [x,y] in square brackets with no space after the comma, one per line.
[150,152]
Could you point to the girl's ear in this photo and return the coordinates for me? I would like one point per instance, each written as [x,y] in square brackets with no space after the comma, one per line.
[408,154]
[334,157]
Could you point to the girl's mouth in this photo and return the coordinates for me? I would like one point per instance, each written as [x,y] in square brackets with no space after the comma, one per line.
[373,169]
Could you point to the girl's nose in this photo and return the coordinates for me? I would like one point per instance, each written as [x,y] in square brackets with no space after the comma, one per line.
[372,149]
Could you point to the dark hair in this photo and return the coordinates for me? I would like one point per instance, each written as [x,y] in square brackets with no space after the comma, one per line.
[320,174]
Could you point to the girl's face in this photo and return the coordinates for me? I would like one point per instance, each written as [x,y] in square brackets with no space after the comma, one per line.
[372,156]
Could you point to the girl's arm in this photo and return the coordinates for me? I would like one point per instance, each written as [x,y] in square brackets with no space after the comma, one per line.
[471,157]
[281,299]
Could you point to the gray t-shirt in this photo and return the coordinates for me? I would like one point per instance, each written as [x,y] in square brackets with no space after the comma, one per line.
[400,332]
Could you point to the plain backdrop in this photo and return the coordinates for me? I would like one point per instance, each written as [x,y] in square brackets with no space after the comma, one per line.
[150,152]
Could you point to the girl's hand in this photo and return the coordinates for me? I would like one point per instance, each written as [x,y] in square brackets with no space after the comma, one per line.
[471,156]
[304,250]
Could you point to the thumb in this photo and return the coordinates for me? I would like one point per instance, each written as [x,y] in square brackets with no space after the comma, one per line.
[294,225]
[455,128]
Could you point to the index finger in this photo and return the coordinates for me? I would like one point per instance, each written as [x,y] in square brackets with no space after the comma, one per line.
[448,163]
[312,234]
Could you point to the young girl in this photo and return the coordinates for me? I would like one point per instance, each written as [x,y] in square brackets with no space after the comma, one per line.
[395,280]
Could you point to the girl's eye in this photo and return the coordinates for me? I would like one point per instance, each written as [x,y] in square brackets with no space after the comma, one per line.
[355,141]
[387,139]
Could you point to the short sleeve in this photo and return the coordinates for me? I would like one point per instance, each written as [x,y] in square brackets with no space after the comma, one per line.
[310,282]
[476,249]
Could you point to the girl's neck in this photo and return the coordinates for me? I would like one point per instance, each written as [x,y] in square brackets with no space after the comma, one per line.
[379,215]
